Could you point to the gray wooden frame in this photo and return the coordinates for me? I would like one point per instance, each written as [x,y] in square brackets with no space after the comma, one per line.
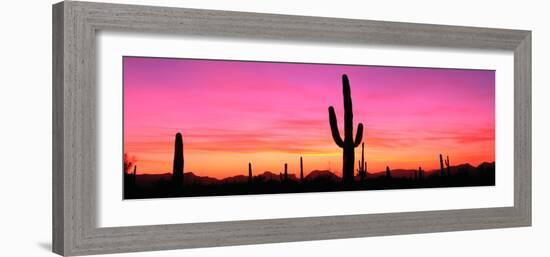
[75,25]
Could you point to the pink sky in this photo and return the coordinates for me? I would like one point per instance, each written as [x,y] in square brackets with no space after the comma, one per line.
[234,112]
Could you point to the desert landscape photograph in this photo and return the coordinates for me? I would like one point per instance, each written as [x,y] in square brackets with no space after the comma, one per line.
[197,127]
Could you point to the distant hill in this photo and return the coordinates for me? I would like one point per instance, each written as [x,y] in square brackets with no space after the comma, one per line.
[190,178]
[146,180]
[486,166]
[235,179]
[268,175]
[465,168]
[402,173]
[397,173]
[461,169]
[325,175]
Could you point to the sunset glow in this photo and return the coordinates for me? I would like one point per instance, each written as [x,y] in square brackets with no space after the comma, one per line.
[231,113]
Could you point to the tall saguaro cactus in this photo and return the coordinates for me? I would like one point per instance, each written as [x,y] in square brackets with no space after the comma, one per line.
[388,172]
[177,172]
[348,143]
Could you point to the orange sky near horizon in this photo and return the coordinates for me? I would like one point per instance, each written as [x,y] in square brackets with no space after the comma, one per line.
[231,113]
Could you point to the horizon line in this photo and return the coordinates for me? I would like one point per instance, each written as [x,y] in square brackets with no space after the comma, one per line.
[297,174]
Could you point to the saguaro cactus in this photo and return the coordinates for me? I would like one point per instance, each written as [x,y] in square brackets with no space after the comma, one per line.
[347,144]
[388,172]
[177,172]
[420,173]
[448,166]
[442,169]
[301,170]
[249,172]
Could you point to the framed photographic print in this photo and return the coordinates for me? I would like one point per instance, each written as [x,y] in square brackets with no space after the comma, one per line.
[246,128]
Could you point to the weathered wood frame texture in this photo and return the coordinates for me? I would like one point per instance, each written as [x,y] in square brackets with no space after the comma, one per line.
[75,25]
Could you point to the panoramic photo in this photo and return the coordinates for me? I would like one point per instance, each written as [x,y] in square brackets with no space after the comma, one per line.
[197,127]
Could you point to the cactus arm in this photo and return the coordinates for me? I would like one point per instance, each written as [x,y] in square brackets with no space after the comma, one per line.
[334,128]
[359,136]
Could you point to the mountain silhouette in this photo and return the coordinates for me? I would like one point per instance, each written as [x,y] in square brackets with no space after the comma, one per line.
[235,179]
[148,180]
[461,169]
[268,175]
[326,175]
[191,178]
[142,186]
[486,166]
[466,169]
[403,173]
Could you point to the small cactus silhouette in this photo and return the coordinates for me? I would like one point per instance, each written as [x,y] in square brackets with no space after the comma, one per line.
[134,176]
[362,169]
[442,169]
[448,166]
[420,173]
[177,172]
[388,172]
[301,170]
[348,143]
[249,172]
[286,173]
